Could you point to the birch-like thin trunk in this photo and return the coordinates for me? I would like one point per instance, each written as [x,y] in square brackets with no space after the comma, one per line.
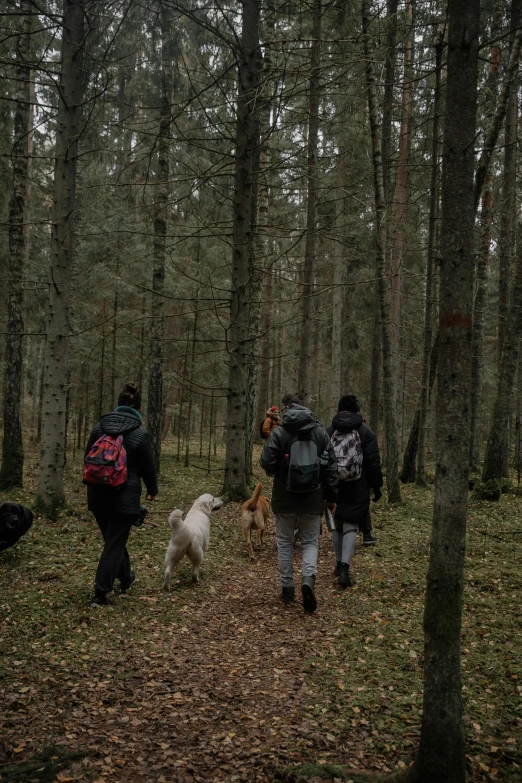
[161,203]
[247,139]
[307,322]
[392,454]
[50,479]
[441,754]
[189,374]
[11,473]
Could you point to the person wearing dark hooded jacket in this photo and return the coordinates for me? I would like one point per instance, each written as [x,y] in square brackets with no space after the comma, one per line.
[353,497]
[116,510]
[299,511]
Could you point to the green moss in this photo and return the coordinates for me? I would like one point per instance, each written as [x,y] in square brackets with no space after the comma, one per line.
[488,490]
[42,768]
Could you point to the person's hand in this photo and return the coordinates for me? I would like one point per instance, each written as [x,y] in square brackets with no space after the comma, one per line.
[332,507]
[151,497]
[377,495]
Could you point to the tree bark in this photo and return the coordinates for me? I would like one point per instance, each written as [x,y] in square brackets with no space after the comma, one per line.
[303,380]
[400,204]
[50,480]
[496,445]
[337,295]
[247,139]
[392,478]
[420,477]
[441,754]
[11,473]
[161,203]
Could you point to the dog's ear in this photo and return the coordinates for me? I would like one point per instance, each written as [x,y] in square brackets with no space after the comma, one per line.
[216,503]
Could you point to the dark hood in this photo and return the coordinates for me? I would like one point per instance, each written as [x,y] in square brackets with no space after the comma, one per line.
[117,422]
[298,418]
[346,421]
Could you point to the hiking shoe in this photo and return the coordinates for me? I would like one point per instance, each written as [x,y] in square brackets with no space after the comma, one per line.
[337,569]
[128,585]
[308,591]
[100,600]
[369,539]
[288,595]
[344,579]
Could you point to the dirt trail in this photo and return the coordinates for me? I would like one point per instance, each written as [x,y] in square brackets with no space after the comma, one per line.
[217,683]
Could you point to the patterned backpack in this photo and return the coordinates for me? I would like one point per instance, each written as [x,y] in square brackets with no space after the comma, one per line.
[106,463]
[348,452]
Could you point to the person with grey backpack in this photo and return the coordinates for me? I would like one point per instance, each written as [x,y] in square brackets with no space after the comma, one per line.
[300,457]
[359,465]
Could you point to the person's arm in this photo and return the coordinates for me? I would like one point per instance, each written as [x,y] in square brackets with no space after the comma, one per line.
[371,458]
[271,455]
[267,427]
[147,465]
[330,473]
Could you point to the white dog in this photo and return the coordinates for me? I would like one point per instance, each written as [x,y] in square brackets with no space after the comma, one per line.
[190,536]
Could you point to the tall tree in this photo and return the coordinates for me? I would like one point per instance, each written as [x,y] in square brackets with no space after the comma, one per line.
[312,197]
[161,204]
[68,124]
[247,140]
[392,452]
[441,754]
[11,473]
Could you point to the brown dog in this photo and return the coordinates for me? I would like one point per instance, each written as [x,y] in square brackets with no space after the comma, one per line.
[254,513]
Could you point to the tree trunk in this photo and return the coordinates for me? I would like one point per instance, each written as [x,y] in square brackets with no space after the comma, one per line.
[376,374]
[303,380]
[392,478]
[247,138]
[50,480]
[11,473]
[420,477]
[189,374]
[161,203]
[441,754]
[400,204]
[337,296]
[496,445]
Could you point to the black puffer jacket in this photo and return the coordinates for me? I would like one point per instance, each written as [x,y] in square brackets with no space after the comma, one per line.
[299,419]
[140,465]
[353,497]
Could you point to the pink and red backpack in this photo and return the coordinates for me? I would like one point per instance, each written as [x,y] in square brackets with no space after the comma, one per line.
[106,463]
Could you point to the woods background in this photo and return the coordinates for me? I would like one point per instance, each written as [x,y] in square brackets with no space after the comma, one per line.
[189,202]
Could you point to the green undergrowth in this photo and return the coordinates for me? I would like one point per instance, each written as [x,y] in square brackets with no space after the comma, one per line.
[41,768]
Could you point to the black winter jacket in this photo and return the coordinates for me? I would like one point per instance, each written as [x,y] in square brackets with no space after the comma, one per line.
[353,497]
[299,419]
[140,465]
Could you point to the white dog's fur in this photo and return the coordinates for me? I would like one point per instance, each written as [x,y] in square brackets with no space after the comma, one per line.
[190,536]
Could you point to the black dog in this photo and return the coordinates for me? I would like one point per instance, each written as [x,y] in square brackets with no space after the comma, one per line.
[15,521]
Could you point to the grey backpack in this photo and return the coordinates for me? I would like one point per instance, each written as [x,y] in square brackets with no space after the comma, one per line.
[303,464]
[349,455]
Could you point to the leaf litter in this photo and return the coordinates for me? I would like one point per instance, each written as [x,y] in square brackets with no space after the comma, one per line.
[220,682]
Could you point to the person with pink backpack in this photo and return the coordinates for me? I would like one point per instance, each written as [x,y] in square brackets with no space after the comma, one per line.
[117,457]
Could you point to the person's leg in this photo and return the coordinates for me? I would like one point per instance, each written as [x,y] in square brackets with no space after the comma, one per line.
[285,527]
[349,537]
[309,525]
[113,563]
[366,529]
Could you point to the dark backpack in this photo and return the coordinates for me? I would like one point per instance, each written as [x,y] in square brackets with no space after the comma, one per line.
[301,464]
[106,463]
[15,520]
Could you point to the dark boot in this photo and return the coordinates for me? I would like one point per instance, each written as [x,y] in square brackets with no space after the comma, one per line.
[337,569]
[308,591]
[288,595]
[345,580]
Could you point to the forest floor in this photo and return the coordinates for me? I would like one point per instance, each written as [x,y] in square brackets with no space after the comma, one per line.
[219,681]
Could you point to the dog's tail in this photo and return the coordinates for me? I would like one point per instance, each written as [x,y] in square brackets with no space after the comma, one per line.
[255,497]
[175,518]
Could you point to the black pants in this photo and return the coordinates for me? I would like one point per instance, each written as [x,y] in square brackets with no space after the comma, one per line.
[114,561]
[366,526]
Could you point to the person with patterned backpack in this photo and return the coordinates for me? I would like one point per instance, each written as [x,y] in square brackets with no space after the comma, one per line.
[359,469]
[117,457]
